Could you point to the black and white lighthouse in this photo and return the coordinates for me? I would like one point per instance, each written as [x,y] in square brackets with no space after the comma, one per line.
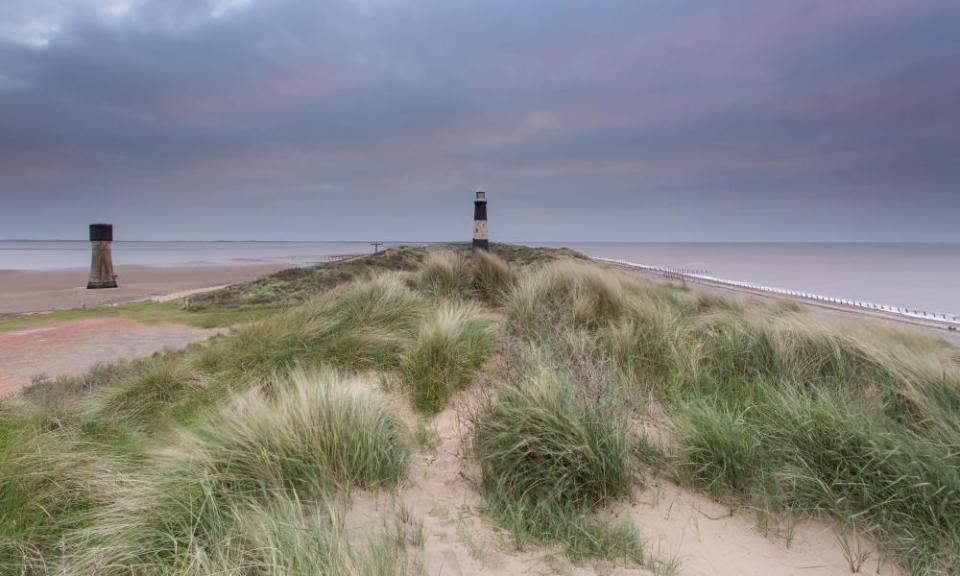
[101,257]
[480,241]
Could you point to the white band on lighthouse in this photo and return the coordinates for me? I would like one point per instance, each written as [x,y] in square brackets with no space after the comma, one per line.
[480,230]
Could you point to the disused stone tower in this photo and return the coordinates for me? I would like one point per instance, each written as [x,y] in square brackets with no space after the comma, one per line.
[101,257]
[480,241]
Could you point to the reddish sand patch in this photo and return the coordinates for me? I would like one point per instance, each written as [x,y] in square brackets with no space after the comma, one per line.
[74,346]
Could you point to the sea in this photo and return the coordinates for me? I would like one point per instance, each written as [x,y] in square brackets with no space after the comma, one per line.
[918,276]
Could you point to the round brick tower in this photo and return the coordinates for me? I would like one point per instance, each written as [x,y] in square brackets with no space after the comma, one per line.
[101,257]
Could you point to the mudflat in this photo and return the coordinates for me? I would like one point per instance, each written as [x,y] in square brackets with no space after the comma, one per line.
[41,290]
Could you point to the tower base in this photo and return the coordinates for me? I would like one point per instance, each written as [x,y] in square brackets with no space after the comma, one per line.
[481,244]
[104,284]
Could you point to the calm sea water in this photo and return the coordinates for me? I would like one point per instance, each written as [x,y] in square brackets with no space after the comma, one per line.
[920,276]
[52,255]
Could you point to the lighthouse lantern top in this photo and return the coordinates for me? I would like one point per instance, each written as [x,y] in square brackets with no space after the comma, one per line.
[481,194]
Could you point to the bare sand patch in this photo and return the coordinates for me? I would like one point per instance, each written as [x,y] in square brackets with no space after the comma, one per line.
[41,290]
[72,347]
[710,539]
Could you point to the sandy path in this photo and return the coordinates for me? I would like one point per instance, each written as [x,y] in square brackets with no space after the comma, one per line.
[41,290]
[74,346]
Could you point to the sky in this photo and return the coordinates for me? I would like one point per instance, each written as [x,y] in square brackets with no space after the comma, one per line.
[764,120]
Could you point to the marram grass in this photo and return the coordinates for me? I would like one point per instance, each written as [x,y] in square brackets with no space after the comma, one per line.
[550,455]
[235,456]
[451,344]
[784,413]
[210,497]
[480,274]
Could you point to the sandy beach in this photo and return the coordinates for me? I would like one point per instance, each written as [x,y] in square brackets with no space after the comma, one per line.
[42,290]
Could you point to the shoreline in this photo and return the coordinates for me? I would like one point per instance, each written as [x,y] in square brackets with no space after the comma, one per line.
[942,329]
[40,291]
[24,292]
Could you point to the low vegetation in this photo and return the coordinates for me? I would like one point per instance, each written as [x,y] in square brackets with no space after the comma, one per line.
[550,452]
[240,455]
[451,344]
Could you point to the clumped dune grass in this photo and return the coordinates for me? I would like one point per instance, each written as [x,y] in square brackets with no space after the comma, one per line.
[571,293]
[361,326]
[451,345]
[238,455]
[816,454]
[445,275]
[492,278]
[221,487]
[549,454]
[459,275]
[46,483]
[282,536]
[312,431]
[165,386]
[777,411]
[541,440]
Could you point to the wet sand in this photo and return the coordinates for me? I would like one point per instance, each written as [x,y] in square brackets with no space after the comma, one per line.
[42,290]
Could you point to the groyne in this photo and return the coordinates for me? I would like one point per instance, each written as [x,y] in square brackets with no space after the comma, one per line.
[952,322]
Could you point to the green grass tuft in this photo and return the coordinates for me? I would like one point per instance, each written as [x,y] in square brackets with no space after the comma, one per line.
[312,431]
[564,295]
[549,455]
[212,494]
[451,345]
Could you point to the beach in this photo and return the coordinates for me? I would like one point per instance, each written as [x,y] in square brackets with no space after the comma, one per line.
[23,291]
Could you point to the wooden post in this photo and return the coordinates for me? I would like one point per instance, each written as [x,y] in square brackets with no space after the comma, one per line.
[480,241]
[101,257]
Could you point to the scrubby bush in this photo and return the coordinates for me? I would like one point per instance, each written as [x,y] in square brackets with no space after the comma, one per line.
[451,345]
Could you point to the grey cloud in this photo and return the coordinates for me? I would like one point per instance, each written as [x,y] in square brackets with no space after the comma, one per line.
[376,118]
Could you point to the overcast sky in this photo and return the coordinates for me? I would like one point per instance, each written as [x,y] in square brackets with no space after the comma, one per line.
[811,120]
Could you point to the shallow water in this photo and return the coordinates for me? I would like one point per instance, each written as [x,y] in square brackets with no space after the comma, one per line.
[53,255]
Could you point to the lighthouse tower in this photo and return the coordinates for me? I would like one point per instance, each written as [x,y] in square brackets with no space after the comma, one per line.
[101,258]
[480,241]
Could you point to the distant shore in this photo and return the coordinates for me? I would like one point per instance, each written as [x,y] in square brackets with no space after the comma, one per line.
[822,308]
[23,291]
